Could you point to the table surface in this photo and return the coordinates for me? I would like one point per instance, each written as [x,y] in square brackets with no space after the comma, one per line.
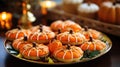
[110,59]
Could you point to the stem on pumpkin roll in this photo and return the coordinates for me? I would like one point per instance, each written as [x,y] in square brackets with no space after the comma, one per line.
[41,29]
[89,3]
[68,46]
[91,39]
[116,1]
[59,31]
[18,27]
[71,32]
[55,37]
[34,44]
[40,25]
[86,28]
[25,38]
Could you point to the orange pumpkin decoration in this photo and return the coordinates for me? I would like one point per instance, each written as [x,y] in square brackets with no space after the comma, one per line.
[41,36]
[17,33]
[19,43]
[93,45]
[54,45]
[68,54]
[109,12]
[88,10]
[71,38]
[34,51]
[98,2]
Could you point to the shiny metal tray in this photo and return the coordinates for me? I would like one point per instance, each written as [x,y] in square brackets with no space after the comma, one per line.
[7,46]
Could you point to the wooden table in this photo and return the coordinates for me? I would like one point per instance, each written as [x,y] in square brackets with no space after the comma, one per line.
[110,59]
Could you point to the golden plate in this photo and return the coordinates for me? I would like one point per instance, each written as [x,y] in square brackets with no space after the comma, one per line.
[7,45]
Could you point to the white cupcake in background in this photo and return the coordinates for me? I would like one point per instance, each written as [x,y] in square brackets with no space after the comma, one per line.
[71,6]
[88,10]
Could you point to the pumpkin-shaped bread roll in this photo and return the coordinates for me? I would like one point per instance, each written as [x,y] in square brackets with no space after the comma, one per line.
[34,51]
[55,44]
[93,45]
[71,38]
[56,25]
[41,36]
[68,54]
[91,33]
[17,33]
[19,43]
[71,25]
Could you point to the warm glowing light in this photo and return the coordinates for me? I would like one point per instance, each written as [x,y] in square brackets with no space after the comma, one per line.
[5,20]
[7,25]
[2,24]
[3,15]
[48,4]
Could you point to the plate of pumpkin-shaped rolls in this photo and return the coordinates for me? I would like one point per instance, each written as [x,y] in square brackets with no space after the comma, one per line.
[63,42]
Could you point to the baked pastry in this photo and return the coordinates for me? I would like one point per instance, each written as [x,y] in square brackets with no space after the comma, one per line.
[19,43]
[66,25]
[41,36]
[91,33]
[88,10]
[71,38]
[55,44]
[34,51]
[71,6]
[68,54]
[71,25]
[17,33]
[93,45]
[57,25]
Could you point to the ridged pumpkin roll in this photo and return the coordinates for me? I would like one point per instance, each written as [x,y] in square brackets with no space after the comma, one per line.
[34,51]
[71,25]
[93,45]
[41,36]
[19,43]
[68,54]
[91,33]
[71,38]
[66,25]
[57,25]
[55,44]
[17,33]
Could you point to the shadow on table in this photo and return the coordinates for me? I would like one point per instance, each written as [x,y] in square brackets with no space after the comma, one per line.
[103,61]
